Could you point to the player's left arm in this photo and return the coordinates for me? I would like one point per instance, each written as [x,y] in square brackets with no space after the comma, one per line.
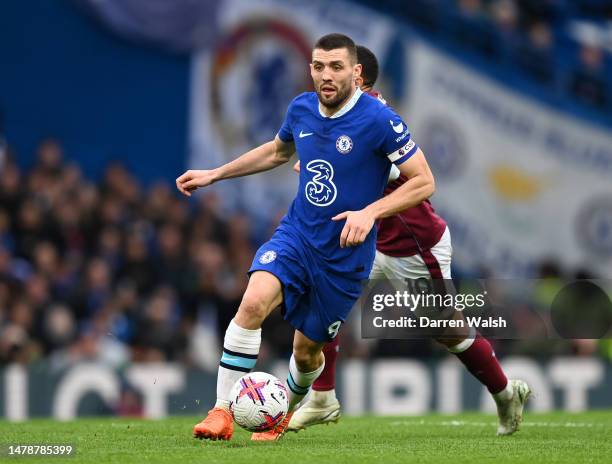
[411,162]
[419,187]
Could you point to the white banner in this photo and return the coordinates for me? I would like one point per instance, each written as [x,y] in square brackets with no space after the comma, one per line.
[517,181]
[241,89]
[382,387]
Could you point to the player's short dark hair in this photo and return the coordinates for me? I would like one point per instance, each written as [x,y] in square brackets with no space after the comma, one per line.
[369,65]
[333,41]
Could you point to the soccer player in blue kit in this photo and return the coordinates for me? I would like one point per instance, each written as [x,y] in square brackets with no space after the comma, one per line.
[323,249]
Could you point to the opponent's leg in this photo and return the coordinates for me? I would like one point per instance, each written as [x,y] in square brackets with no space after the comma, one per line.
[306,364]
[474,351]
[327,380]
[477,355]
[322,405]
[240,350]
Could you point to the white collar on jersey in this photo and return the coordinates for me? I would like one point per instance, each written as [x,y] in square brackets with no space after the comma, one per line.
[346,108]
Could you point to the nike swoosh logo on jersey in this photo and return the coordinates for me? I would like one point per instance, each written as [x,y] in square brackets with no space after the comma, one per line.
[399,128]
[305,134]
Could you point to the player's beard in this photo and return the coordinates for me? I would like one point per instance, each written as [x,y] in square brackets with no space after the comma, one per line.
[341,96]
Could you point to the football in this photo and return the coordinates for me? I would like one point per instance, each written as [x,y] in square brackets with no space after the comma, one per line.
[259,401]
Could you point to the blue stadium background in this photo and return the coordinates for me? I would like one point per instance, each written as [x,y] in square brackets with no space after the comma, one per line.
[101,262]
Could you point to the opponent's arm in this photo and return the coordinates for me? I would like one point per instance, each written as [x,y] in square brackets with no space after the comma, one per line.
[419,186]
[263,158]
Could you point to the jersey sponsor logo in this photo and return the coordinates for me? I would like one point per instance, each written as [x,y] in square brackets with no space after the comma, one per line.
[397,128]
[320,190]
[305,134]
[344,144]
[267,257]
[403,136]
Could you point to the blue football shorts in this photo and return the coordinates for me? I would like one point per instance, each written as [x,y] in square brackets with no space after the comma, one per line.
[316,300]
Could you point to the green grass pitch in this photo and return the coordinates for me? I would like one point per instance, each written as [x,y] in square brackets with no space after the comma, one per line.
[469,438]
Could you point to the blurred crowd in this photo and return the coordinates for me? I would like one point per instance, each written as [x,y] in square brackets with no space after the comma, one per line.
[116,272]
[111,270]
[538,37]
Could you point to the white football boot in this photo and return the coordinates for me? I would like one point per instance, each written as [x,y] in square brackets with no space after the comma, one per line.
[319,408]
[510,408]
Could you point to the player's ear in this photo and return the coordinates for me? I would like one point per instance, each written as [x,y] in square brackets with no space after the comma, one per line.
[312,71]
[358,81]
[357,71]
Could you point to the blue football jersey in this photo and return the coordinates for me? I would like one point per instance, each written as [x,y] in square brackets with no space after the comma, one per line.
[344,166]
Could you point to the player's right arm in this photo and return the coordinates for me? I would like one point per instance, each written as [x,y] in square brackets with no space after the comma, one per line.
[263,158]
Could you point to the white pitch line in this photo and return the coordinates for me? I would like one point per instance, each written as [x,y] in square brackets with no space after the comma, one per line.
[456,423]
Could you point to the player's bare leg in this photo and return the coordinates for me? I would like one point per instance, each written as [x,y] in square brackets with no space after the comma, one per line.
[240,350]
[477,354]
[322,405]
[306,364]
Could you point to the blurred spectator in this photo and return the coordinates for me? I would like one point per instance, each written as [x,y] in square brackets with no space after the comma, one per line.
[49,159]
[546,11]
[472,29]
[535,53]
[7,240]
[16,345]
[138,265]
[158,330]
[505,16]
[58,327]
[588,83]
[31,227]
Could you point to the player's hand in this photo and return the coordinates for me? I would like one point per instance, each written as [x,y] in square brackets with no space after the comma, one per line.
[356,228]
[296,166]
[193,179]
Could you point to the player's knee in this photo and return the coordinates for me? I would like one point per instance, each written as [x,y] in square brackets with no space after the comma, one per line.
[253,310]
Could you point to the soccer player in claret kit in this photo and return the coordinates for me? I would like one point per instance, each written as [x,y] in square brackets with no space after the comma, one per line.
[314,264]
[414,244]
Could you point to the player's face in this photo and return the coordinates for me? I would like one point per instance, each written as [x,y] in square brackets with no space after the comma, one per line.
[333,76]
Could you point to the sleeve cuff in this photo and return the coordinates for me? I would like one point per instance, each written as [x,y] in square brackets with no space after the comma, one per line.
[287,138]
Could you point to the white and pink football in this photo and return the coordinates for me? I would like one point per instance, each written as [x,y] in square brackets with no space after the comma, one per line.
[258,401]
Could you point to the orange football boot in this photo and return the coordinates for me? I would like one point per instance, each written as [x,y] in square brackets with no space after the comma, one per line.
[274,434]
[218,425]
